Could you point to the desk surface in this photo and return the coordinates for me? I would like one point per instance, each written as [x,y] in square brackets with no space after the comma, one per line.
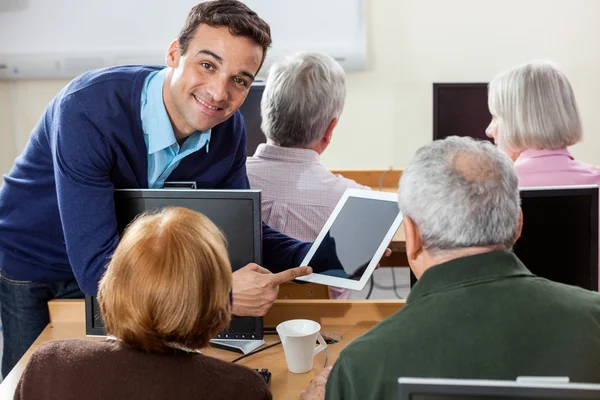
[350,319]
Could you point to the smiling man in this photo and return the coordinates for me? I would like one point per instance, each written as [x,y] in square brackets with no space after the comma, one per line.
[132,127]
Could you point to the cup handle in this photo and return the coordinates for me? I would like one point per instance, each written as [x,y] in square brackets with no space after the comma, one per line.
[322,344]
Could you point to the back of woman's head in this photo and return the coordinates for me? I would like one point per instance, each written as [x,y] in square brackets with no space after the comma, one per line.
[535,107]
[168,282]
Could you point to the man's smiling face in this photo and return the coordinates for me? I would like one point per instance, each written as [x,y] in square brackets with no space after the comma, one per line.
[211,80]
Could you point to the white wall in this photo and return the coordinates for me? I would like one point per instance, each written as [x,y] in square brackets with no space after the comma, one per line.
[413,43]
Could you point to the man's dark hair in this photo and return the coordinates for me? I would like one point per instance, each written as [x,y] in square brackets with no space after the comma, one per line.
[235,15]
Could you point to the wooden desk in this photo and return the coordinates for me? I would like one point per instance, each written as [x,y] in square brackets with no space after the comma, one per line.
[372,177]
[349,318]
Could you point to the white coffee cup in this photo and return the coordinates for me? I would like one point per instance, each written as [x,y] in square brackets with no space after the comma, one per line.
[298,337]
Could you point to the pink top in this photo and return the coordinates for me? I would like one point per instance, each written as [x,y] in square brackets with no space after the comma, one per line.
[298,192]
[554,168]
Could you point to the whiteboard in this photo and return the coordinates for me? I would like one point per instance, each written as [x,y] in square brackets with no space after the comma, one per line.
[78,34]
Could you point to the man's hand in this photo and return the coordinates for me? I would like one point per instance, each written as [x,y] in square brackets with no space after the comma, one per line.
[316,389]
[386,253]
[255,288]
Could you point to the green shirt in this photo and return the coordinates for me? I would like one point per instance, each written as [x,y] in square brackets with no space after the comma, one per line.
[483,316]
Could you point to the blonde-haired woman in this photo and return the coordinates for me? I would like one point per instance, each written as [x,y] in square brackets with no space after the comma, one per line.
[163,296]
[534,119]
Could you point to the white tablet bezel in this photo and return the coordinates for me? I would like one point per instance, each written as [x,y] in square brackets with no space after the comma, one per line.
[343,282]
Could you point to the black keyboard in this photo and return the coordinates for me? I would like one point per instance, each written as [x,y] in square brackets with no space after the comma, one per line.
[265,374]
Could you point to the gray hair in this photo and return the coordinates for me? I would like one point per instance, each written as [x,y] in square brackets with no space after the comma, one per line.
[536,108]
[303,94]
[461,193]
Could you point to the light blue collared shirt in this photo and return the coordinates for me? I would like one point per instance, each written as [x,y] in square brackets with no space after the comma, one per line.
[164,153]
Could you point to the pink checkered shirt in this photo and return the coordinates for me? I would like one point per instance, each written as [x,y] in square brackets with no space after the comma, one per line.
[298,192]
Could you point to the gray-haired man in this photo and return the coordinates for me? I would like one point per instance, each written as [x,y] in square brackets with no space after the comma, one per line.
[476,311]
[301,105]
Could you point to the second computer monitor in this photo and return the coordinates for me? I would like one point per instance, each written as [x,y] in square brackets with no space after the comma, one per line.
[482,389]
[235,212]
[559,240]
[250,110]
[460,109]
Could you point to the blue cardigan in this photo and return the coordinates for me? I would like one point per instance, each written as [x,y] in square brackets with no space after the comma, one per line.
[57,212]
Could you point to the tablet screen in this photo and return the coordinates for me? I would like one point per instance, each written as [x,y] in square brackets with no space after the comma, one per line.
[354,237]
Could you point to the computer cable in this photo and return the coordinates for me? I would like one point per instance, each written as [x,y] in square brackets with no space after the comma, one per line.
[391,168]
[371,283]
[395,286]
[388,287]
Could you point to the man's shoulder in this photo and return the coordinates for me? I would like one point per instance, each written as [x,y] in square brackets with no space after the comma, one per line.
[118,78]
[570,295]
[349,183]
[319,174]
[256,164]
[380,339]
[370,362]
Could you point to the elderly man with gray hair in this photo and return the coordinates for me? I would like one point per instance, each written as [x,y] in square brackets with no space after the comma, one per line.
[301,106]
[476,311]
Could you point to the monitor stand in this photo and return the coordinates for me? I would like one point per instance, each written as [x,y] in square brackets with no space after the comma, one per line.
[243,346]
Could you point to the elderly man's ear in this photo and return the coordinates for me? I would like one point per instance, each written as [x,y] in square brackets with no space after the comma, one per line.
[329,131]
[414,246]
[322,144]
[413,239]
[519,226]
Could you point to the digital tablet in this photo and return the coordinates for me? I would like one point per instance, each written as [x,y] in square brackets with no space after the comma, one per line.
[353,239]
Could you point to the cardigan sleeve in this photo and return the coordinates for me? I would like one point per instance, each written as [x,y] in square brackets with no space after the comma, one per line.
[83,162]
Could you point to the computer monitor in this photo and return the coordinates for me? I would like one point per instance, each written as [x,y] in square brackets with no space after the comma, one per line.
[235,212]
[559,240]
[460,109]
[250,110]
[467,389]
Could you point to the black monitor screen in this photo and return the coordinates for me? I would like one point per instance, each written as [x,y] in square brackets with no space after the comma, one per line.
[235,212]
[235,218]
[460,109]
[250,109]
[559,240]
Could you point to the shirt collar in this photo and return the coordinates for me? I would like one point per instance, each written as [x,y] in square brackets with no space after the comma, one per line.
[291,154]
[536,153]
[467,271]
[155,120]
[172,345]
